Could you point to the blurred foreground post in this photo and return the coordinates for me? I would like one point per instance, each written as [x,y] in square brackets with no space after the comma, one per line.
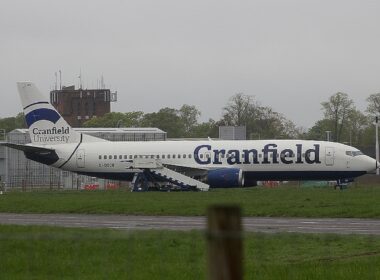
[377,143]
[224,236]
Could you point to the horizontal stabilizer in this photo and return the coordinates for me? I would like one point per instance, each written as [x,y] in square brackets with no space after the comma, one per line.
[26,148]
[39,154]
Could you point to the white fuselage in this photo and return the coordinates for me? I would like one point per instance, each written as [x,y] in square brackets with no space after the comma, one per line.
[283,159]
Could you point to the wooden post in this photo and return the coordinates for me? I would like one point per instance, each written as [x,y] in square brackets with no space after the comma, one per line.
[224,243]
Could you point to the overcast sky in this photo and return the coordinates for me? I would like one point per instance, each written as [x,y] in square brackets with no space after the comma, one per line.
[290,55]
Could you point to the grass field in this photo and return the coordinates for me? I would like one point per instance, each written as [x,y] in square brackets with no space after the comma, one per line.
[359,202]
[35,252]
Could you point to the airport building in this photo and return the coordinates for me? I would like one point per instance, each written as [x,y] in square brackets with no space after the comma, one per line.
[232,132]
[18,172]
[2,163]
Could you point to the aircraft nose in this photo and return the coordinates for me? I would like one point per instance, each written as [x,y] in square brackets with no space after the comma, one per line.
[369,164]
[373,165]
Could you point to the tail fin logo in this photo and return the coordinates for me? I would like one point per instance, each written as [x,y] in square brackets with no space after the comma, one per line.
[41,114]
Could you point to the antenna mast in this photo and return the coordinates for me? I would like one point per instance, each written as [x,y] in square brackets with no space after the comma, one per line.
[60,80]
[80,78]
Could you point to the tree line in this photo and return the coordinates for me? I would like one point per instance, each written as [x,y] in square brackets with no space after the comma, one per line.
[345,122]
[341,118]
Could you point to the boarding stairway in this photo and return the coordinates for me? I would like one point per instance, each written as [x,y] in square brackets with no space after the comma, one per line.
[153,170]
[179,179]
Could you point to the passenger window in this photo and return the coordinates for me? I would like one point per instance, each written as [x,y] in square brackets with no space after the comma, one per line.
[125,156]
[152,156]
[168,156]
[100,157]
[163,156]
[135,156]
[105,157]
[158,156]
[189,155]
[201,155]
[114,156]
[130,156]
[179,156]
[120,157]
[184,156]
[109,157]
[173,156]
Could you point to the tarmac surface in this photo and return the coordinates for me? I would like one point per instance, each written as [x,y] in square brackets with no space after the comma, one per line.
[250,224]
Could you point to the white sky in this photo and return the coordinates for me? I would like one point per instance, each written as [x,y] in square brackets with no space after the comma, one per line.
[290,55]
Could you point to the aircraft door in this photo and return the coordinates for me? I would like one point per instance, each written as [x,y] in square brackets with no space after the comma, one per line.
[81,158]
[348,162]
[329,156]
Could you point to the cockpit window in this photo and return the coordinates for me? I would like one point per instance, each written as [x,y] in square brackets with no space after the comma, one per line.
[354,153]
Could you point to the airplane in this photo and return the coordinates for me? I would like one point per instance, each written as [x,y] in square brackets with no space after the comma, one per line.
[197,165]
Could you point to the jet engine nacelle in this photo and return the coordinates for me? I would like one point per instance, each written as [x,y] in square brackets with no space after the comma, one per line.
[225,178]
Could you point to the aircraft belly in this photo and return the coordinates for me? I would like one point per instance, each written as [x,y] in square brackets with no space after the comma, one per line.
[279,168]
[301,175]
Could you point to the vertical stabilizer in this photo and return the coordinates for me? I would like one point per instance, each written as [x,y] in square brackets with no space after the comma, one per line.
[46,125]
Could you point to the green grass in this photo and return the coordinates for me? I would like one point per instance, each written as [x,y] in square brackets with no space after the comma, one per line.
[360,202]
[35,252]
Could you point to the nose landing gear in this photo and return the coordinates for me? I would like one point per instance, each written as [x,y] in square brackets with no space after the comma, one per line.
[343,183]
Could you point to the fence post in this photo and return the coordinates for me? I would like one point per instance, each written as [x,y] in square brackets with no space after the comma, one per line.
[224,243]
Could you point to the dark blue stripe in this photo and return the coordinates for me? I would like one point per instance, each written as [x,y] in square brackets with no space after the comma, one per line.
[35,103]
[41,114]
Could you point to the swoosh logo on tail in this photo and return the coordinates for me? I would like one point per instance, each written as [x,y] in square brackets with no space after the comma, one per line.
[41,114]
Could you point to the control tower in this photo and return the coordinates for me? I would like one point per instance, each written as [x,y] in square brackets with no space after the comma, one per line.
[79,105]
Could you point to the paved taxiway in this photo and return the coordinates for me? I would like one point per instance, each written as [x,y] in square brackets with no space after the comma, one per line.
[270,225]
